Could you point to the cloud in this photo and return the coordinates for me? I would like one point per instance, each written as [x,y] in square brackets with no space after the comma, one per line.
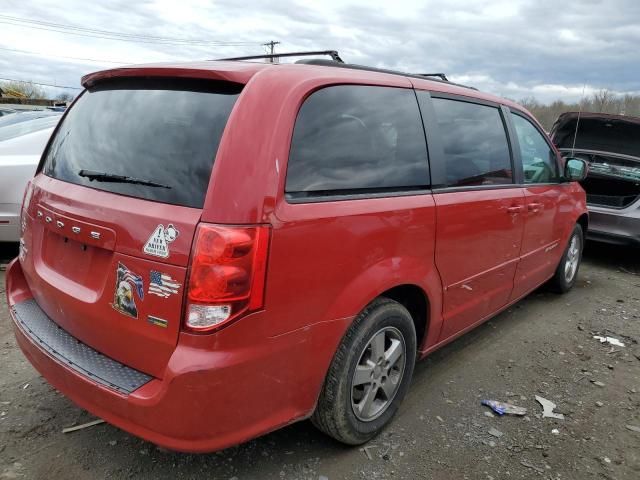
[512,48]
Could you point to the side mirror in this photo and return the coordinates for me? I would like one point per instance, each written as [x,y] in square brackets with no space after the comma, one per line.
[575,169]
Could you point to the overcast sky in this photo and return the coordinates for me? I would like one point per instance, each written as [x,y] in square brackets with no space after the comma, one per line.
[516,48]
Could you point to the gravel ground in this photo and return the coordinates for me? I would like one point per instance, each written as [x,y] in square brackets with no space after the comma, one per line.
[542,346]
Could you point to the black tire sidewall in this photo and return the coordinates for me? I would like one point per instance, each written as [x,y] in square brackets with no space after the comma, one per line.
[390,314]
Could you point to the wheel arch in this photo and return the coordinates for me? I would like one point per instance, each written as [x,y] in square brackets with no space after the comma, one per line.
[583,221]
[416,301]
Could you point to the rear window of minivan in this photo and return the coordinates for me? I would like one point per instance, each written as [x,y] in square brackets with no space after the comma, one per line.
[154,139]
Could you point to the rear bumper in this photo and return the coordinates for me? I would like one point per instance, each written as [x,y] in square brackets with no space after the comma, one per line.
[207,399]
[620,227]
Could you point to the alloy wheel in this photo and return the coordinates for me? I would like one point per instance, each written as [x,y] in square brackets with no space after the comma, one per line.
[573,259]
[378,374]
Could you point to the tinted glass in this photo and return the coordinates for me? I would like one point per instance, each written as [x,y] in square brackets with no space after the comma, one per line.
[358,137]
[161,131]
[538,160]
[475,143]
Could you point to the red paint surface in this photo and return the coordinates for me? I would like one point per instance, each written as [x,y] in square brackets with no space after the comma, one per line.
[471,253]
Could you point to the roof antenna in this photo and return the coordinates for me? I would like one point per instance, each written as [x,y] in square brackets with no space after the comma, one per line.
[575,134]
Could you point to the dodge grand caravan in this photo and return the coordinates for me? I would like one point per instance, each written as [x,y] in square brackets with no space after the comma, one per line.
[214,250]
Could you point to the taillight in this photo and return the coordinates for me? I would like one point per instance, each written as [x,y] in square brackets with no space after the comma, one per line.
[227,276]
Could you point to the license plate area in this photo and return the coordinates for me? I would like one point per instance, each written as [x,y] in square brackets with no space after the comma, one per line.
[84,265]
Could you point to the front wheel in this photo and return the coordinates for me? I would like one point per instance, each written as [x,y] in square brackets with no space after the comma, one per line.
[567,271]
[369,375]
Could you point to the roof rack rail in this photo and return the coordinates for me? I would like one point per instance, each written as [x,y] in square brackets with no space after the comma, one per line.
[434,77]
[331,53]
[441,76]
[336,61]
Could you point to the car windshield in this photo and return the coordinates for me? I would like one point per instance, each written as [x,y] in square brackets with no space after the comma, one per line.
[29,126]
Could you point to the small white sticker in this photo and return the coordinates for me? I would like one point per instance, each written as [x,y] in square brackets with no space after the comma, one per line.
[158,243]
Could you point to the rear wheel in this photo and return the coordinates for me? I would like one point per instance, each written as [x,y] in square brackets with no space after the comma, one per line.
[567,271]
[369,375]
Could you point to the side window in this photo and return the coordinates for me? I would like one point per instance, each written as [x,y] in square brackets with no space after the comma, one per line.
[350,138]
[538,159]
[475,144]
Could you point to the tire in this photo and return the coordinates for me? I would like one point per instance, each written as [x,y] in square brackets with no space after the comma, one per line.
[562,281]
[343,410]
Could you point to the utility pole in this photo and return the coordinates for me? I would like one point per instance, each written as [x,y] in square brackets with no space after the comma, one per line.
[272,46]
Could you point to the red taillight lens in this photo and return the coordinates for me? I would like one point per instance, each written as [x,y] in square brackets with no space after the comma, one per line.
[227,277]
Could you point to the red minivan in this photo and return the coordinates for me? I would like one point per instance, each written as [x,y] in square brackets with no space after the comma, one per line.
[211,251]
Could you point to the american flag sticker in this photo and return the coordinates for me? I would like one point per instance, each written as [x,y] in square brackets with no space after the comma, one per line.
[162,284]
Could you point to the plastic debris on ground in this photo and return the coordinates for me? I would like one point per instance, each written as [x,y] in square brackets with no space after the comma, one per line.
[633,428]
[547,408]
[530,465]
[502,408]
[83,426]
[610,340]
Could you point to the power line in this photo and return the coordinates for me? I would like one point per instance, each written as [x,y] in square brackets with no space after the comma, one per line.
[63,56]
[37,83]
[111,35]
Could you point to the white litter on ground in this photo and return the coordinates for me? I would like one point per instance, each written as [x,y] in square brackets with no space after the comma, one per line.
[611,340]
[547,408]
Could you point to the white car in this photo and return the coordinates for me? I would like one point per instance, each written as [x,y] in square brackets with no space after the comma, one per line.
[21,145]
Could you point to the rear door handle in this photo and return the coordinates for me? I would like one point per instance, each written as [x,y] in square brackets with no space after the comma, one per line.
[534,206]
[515,209]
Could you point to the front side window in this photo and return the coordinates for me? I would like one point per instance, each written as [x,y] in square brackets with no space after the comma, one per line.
[538,159]
[352,138]
[476,151]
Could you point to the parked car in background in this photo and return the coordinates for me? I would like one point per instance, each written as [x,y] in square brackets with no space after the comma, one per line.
[611,146]
[26,115]
[21,145]
[6,111]
[200,303]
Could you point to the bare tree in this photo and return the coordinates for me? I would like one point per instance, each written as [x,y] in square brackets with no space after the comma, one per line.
[64,97]
[604,101]
[24,89]
[630,105]
[530,103]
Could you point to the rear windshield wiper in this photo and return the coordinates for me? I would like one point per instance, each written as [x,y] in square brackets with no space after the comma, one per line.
[111,177]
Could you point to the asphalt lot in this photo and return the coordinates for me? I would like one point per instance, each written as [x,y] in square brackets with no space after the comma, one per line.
[542,346]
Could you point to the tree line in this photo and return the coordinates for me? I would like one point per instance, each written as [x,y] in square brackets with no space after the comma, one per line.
[31,90]
[603,101]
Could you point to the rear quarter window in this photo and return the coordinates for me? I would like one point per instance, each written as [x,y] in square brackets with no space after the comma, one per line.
[353,139]
[160,131]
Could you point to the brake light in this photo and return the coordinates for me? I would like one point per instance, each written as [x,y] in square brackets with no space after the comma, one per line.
[227,276]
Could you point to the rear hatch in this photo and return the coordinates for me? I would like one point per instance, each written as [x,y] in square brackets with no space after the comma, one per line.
[112,213]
